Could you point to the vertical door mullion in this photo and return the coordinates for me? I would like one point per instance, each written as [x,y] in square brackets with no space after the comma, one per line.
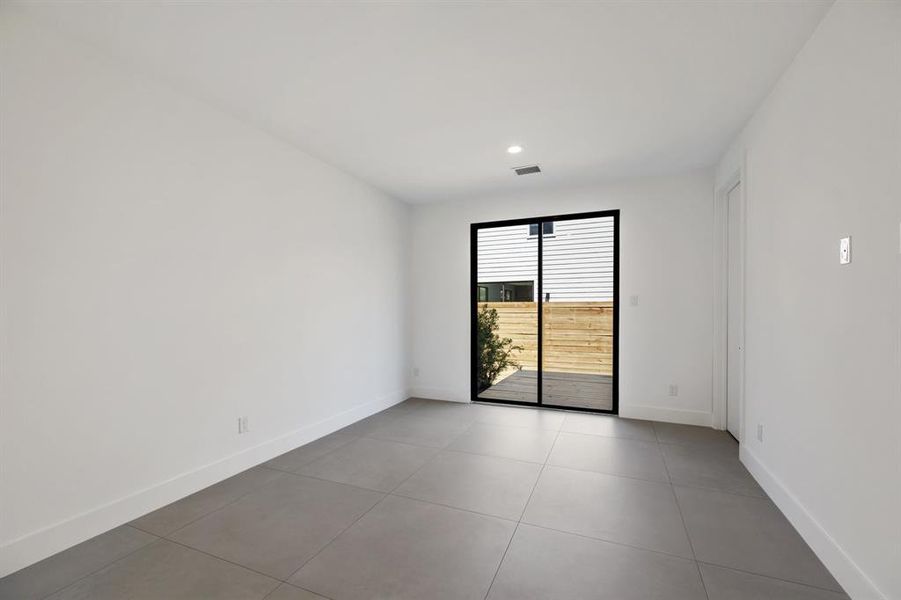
[615,407]
[540,364]
[473,311]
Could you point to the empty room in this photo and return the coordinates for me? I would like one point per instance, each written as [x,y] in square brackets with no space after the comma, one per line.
[476,300]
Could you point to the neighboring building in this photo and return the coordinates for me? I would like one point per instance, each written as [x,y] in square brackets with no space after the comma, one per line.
[578,262]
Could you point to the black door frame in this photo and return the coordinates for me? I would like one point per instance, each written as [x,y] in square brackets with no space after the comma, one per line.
[474,304]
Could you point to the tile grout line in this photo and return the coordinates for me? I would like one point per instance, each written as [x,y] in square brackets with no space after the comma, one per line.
[189,547]
[429,461]
[468,426]
[291,585]
[236,564]
[323,455]
[524,508]
[471,453]
[656,435]
[226,560]
[684,526]
[165,536]
[501,561]
[299,475]
[748,495]
[329,543]
[109,564]
[439,450]
[605,473]
[612,542]
[467,510]
[495,456]
[224,506]
[371,508]
[559,431]
[318,478]
[719,491]
[563,531]
[701,577]
[546,463]
[783,580]
[447,448]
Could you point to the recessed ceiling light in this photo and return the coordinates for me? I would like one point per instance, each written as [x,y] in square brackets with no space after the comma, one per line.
[514,149]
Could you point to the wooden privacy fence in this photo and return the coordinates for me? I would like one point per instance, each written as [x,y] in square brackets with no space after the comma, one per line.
[578,336]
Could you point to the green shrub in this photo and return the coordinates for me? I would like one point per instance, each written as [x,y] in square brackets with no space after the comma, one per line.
[495,352]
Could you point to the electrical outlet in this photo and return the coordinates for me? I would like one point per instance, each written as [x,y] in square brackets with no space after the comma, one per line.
[415,371]
[759,432]
[673,389]
[633,300]
[242,425]
[844,251]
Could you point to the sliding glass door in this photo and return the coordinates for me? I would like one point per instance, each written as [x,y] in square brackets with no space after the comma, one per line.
[544,313]
[577,275]
[506,314]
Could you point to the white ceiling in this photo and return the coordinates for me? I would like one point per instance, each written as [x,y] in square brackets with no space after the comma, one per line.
[422,99]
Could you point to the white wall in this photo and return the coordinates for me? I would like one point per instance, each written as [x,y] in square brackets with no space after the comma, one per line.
[823,364]
[165,269]
[665,259]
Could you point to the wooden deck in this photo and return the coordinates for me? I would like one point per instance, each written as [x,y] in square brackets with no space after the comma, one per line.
[578,390]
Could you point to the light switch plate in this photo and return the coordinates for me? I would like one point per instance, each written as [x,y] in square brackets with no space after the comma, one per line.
[844,251]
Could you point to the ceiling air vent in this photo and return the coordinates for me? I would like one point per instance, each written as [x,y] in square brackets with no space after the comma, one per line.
[528,170]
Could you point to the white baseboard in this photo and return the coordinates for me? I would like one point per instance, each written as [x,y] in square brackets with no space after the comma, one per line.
[667,415]
[842,566]
[28,549]
[648,413]
[445,394]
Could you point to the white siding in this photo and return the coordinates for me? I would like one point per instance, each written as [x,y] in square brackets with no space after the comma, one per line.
[578,258]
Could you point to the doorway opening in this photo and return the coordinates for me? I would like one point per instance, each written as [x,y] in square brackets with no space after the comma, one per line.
[729,306]
[544,309]
[734,310]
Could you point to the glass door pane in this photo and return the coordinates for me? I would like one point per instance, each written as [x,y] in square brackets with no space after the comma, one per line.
[578,293]
[506,307]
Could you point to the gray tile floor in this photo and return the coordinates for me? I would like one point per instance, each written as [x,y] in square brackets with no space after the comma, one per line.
[434,500]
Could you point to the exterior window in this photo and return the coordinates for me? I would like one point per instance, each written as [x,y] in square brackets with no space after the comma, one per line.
[548,228]
[507,291]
